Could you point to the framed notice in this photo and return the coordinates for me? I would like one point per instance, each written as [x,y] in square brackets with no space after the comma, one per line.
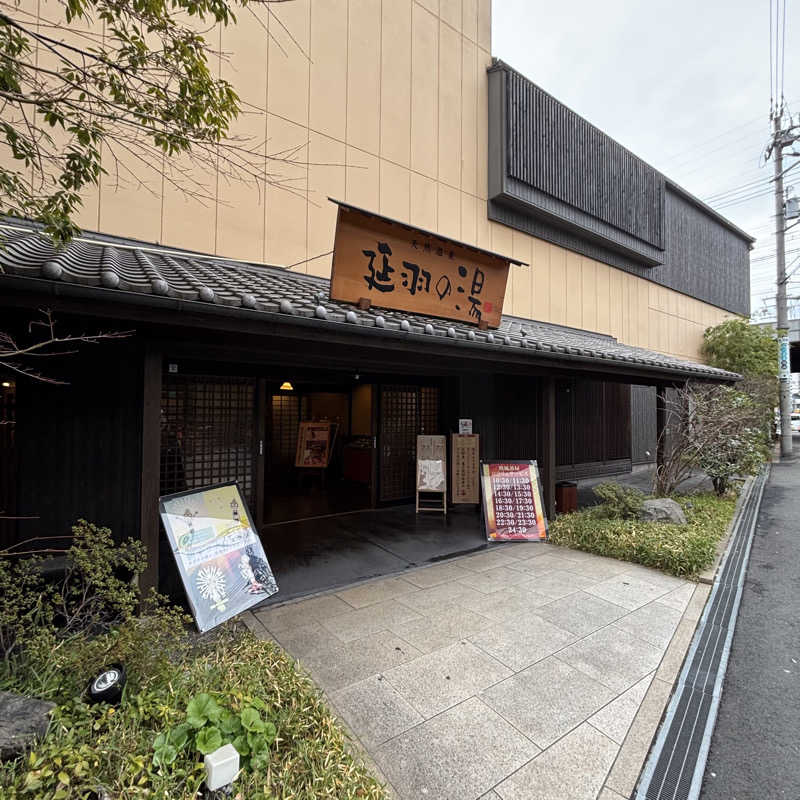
[220,558]
[465,469]
[512,501]
[315,444]
[432,470]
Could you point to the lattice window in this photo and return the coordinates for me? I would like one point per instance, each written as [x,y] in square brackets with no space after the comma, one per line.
[406,411]
[285,426]
[8,461]
[207,433]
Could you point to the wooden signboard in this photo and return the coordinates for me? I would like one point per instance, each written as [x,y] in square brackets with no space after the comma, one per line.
[432,470]
[393,266]
[465,469]
[512,501]
[315,444]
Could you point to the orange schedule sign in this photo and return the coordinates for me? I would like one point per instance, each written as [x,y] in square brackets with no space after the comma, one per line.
[512,501]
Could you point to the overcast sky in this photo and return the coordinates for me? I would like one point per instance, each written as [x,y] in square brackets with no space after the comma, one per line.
[684,85]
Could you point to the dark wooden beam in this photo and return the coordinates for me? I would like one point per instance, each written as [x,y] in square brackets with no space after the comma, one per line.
[548,472]
[151,465]
[263,408]
[661,422]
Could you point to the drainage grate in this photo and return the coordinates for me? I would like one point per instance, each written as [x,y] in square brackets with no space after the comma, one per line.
[675,767]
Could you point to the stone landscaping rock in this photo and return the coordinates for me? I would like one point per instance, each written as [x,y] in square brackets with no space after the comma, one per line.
[22,720]
[662,509]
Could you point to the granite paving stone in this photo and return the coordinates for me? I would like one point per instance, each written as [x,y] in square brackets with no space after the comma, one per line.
[367,594]
[458,755]
[343,664]
[547,700]
[628,591]
[314,609]
[374,710]
[363,621]
[305,639]
[557,583]
[613,657]
[488,559]
[542,565]
[436,575]
[491,580]
[522,641]
[574,768]
[581,613]
[679,598]
[655,623]
[615,719]
[443,678]
[432,633]
[438,598]
[507,604]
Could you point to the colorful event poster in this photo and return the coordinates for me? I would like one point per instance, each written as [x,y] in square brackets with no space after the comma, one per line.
[314,444]
[512,501]
[220,558]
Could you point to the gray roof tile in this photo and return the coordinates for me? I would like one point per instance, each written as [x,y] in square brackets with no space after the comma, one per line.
[118,266]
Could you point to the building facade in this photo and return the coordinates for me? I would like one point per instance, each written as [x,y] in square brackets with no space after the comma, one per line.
[397,111]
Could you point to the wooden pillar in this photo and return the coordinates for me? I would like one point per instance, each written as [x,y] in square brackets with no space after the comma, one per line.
[661,422]
[548,471]
[151,466]
[262,409]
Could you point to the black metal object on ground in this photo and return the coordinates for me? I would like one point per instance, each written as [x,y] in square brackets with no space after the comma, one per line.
[674,769]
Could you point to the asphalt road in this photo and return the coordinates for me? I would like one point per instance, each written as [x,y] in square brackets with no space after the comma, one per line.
[755,749]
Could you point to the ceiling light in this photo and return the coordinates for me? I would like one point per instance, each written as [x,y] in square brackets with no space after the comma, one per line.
[286,386]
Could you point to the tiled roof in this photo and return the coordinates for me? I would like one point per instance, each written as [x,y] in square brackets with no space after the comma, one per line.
[119,267]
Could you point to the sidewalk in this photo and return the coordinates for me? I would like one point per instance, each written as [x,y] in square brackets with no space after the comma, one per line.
[754,749]
[524,672]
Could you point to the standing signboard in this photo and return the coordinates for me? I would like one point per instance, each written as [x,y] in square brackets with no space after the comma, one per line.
[465,469]
[315,444]
[219,555]
[512,501]
[432,470]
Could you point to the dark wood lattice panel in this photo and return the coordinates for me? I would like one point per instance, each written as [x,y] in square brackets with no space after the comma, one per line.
[406,411]
[285,426]
[208,433]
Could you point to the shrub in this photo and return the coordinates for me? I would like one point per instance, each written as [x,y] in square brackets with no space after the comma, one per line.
[682,550]
[98,588]
[622,502]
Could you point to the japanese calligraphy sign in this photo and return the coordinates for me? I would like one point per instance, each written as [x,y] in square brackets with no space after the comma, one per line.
[219,555]
[465,468]
[512,501]
[397,267]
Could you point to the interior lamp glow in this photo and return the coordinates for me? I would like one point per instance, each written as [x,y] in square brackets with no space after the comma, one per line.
[286,386]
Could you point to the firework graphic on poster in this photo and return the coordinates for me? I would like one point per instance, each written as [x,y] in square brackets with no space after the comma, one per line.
[211,585]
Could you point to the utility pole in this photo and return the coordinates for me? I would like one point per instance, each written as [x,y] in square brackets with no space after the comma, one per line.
[780,297]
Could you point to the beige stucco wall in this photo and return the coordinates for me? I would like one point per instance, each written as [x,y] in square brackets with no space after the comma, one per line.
[383,105]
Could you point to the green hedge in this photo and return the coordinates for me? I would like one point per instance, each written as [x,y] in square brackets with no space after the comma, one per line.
[682,550]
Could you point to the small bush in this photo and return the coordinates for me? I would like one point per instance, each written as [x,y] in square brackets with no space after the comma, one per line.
[620,502]
[682,550]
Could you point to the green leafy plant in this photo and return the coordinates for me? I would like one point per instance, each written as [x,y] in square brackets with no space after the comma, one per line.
[623,502]
[682,550]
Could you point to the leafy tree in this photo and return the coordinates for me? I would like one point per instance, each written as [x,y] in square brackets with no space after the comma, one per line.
[738,346]
[751,351]
[92,84]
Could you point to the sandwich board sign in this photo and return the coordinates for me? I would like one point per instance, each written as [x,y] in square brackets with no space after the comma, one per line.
[512,501]
[219,555]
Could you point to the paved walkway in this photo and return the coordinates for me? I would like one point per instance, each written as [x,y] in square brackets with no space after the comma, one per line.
[512,674]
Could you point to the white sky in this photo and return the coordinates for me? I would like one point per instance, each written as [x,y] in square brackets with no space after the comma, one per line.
[683,84]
